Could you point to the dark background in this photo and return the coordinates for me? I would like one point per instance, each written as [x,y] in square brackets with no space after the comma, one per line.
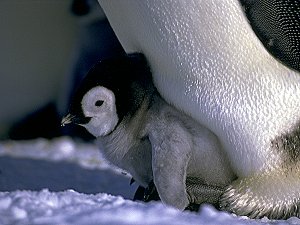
[46,47]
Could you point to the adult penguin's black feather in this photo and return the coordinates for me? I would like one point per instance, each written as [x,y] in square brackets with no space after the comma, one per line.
[277,25]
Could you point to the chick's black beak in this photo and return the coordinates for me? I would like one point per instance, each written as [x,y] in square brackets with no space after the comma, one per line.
[70,118]
[67,120]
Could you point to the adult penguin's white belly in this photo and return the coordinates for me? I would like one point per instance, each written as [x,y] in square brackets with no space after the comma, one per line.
[207,61]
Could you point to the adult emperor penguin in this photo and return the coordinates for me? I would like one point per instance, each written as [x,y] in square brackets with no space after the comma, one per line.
[209,60]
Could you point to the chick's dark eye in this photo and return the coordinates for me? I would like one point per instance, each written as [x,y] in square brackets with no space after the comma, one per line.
[99,103]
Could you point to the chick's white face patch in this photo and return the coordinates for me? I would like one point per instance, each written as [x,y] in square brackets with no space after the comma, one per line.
[99,104]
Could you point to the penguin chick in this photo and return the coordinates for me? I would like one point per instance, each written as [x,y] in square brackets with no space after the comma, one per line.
[141,133]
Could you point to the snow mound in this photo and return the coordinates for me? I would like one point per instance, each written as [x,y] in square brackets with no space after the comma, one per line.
[70,207]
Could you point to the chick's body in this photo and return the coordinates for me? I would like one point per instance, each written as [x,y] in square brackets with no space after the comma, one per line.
[158,142]
[146,136]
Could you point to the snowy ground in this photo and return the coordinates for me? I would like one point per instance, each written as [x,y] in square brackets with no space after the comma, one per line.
[66,182]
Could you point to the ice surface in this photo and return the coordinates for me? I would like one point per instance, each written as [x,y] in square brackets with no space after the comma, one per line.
[37,177]
[60,149]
